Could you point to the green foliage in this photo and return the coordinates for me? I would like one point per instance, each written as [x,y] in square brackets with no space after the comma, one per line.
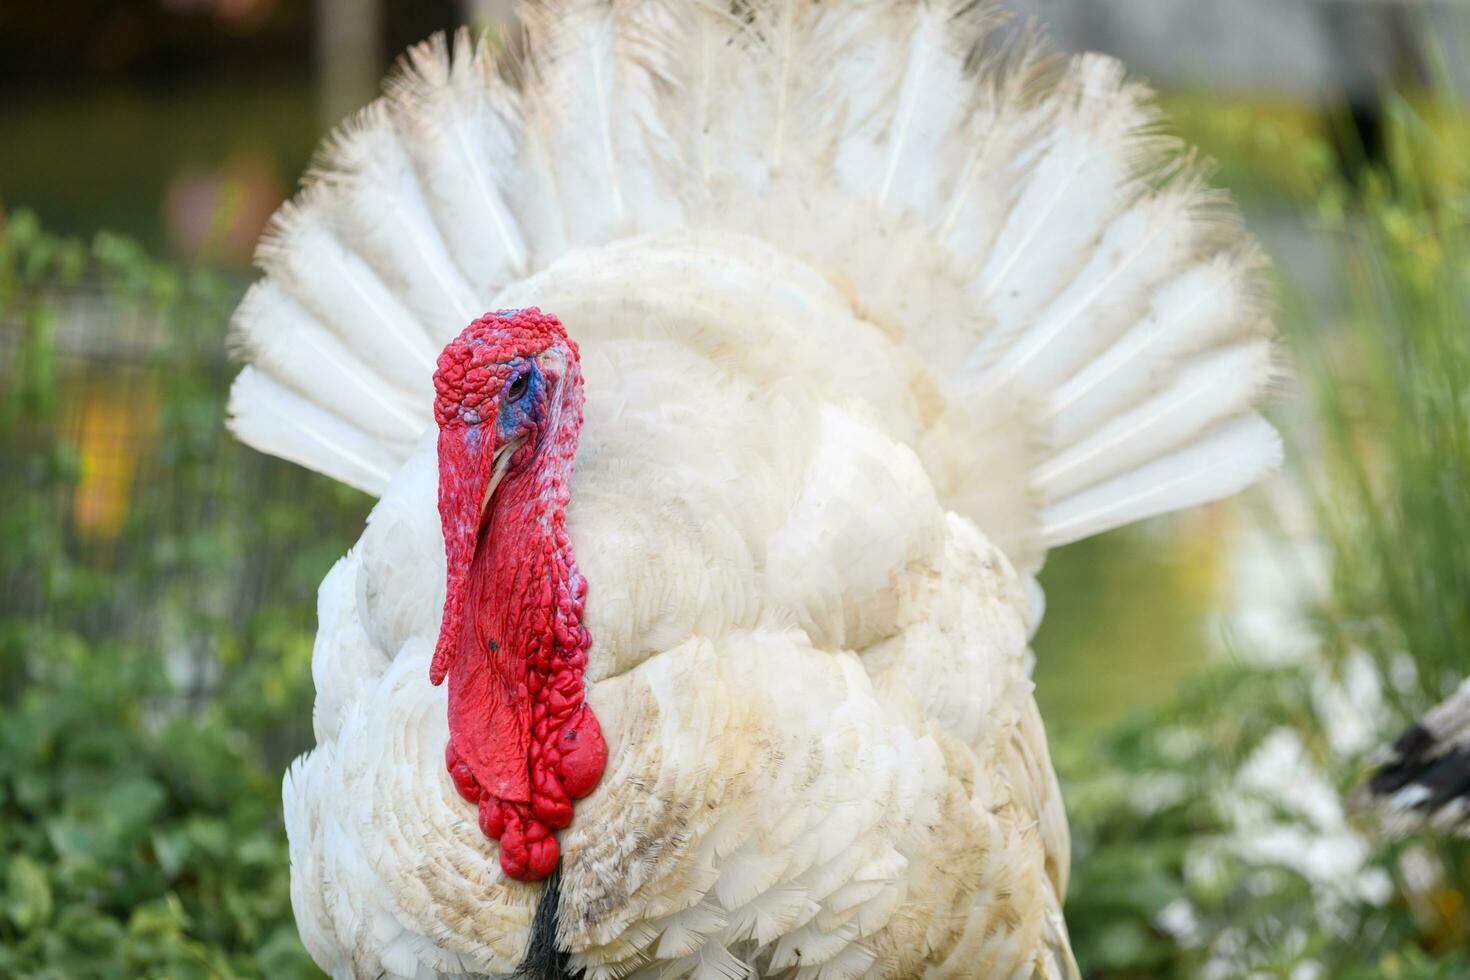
[1391,402]
[1143,801]
[1390,392]
[156,624]
[1162,809]
[1169,880]
[1270,151]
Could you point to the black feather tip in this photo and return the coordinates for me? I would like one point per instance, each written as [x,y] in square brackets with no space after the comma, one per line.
[1440,773]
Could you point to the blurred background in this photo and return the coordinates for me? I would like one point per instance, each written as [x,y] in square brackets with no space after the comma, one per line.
[1213,683]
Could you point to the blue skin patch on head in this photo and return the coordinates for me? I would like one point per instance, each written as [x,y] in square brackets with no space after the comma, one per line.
[516,416]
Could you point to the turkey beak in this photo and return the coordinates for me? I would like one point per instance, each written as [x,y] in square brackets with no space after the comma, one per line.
[471,466]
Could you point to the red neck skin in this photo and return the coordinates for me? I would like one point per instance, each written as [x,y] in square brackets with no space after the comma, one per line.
[523,743]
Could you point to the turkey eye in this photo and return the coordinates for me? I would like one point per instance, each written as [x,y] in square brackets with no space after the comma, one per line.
[517,389]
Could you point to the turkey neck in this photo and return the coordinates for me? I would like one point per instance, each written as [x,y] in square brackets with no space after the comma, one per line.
[517,715]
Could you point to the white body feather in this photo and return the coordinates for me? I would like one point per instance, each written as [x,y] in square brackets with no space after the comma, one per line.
[870,318]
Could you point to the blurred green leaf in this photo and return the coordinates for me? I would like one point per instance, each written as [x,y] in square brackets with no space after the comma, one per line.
[28,894]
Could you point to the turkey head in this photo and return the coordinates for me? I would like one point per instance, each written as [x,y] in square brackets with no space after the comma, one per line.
[523,743]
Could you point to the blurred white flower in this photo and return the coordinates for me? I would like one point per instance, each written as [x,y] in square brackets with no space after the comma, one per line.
[1286,813]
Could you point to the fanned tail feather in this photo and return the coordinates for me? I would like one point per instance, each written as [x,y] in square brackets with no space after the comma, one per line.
[1091,312]
[268,415]
[459,127]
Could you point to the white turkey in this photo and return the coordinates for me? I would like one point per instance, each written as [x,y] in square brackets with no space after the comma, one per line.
[797,333]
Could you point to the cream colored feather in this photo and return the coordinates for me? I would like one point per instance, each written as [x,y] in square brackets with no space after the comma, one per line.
[873,310]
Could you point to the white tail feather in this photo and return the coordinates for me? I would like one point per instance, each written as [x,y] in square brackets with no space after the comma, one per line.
[1196,309]
[272,418]
[287,343]
[459,130]
[1209,389]
[1224,462]
[1084,169]
[382,208]
[1137,249]
[308,258]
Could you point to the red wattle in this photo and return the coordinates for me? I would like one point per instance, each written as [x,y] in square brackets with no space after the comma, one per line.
[523,742]
[583,753]
[459,773]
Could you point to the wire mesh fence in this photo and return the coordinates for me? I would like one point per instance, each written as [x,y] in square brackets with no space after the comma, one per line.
[157,594]
[132,519]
